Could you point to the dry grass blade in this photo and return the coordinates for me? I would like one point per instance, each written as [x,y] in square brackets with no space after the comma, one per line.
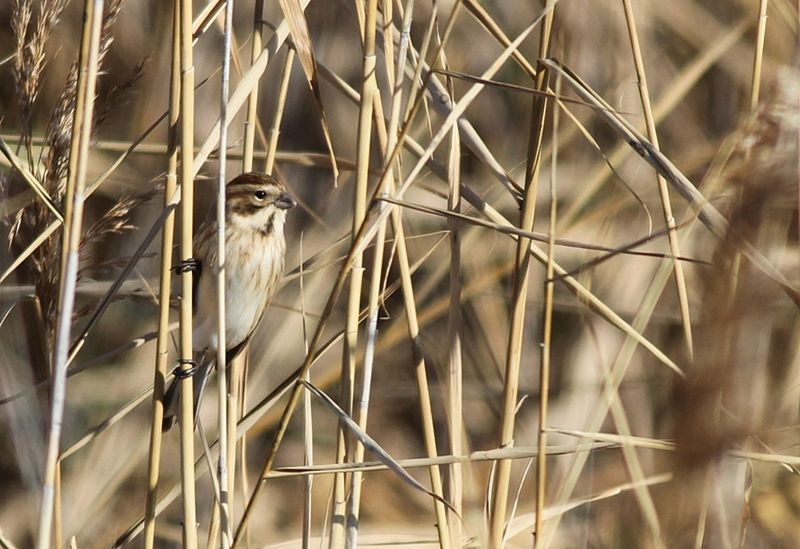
[518,452]
[301,40]
[372,445]
[30,179]
[627,249]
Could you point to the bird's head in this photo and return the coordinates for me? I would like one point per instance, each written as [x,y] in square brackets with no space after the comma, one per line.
[258,201]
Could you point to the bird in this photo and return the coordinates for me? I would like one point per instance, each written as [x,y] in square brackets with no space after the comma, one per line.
[256,205]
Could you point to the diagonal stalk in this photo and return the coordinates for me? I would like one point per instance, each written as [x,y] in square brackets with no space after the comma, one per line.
[663,190]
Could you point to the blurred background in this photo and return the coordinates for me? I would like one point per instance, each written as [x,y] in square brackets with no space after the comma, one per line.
[704,459]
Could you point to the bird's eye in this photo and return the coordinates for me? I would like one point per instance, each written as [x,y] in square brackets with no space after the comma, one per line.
[261,195]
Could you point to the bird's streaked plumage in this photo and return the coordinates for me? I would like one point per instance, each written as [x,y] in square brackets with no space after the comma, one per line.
[255,213]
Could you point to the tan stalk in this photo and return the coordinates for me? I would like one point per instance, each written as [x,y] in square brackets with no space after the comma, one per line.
[186,415]
[308,422]
[520,295]
[80,104]
[364,138]
[663,190]
[429,431]
[252,99]
[88,63]
[280,105]
[361,408]
[165,285]
[455,389]
[387,139]
[547,330]
[226,533]
[758,55]
[236,393]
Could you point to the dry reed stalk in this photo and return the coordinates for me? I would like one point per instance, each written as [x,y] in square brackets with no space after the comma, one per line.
[308,422]
[252,99]
[420,369]
[186,416]
[663,190]
[280,105]
[361,408]
[222,388]
[547,331]
[364,138]
[387,139]
[82,126]
[455,384]
[520,293]
[164,291]
[236,370]
[758,54]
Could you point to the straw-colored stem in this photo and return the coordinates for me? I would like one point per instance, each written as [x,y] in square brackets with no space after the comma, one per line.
[277,116]
[387,140]
[758,55]
[547,332]
[455,389]
[308,422]
[663,190]
[93,17]
[420,370]
[165,285]
[226,533]
[186,415]
[361,408]
[364,138]
[80,105]
[252,99]
[520,295]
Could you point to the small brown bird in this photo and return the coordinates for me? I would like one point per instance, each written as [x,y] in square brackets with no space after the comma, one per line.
[255,213]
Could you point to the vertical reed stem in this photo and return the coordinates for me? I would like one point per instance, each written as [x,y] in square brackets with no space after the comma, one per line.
[455,392]
[758,55]
[222,388]
[364,138]
[520,295]
[280,104]
[165,285]
[547,330]
[186,416]
[82,123]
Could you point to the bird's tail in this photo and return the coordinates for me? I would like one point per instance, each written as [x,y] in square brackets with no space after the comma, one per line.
[172,396]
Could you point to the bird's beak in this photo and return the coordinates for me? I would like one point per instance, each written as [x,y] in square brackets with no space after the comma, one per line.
[285,201]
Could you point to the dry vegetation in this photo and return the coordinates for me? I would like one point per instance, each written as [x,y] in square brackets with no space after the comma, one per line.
[505,284]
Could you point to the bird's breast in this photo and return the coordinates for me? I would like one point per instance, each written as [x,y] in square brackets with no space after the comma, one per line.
[253,265]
